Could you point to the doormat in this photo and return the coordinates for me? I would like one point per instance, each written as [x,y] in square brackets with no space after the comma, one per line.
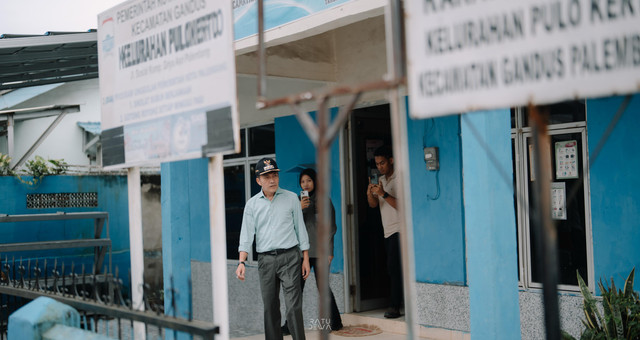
[358,330]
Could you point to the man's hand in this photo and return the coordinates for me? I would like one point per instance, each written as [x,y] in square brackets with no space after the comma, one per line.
[377,189]
[240,271]
[371,199]
[306,267]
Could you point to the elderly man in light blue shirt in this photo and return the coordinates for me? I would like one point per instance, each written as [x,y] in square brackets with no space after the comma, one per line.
[274,216]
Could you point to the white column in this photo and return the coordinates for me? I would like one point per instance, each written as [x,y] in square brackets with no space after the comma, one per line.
[135,245]
[10,135]
[218,233]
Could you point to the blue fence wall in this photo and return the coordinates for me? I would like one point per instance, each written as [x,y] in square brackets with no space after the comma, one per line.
[112,198]
[615,189]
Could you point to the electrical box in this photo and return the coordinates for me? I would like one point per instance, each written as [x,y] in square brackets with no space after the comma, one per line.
[431,158]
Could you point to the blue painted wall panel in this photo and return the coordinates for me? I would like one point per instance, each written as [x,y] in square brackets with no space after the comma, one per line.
[293,148]
[112,198]
[438,225]
[490,226]
[181,226]
[615,189]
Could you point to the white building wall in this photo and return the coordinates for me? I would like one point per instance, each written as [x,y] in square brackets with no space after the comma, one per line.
[65,141]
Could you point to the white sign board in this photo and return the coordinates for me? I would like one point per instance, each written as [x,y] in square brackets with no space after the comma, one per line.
[466,55]
[167,81]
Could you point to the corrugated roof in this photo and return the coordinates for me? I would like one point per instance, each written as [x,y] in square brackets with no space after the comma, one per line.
[92,127]
[55,57]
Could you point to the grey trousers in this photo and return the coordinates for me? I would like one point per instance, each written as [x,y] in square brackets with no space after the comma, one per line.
[286,269]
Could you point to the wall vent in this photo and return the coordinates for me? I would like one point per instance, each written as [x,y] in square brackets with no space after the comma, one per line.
[63,200]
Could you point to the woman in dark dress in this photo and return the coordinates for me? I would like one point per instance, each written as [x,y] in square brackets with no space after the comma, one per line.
[307,182]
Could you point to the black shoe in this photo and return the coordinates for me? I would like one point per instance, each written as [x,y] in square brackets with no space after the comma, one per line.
[392,313]
[285,329]
[336,327]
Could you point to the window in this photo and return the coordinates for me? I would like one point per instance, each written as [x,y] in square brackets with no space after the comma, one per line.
[569,173]
[239,179]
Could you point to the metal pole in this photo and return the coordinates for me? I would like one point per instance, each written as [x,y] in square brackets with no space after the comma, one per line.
[217,232]
[324,215]
[262,60]
[544,229]
[10,137]
[395,67]
[135,245]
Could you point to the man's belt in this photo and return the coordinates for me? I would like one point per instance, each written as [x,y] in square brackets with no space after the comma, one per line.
[278,251]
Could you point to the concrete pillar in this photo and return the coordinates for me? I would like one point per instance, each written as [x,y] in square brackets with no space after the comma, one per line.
[490,226]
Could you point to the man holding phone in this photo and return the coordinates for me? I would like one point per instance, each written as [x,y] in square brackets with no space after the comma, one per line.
[382,193]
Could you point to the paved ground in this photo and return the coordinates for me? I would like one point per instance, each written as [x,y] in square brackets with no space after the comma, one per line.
[316,335]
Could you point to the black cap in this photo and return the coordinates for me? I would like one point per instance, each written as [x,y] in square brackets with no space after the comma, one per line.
[266,165]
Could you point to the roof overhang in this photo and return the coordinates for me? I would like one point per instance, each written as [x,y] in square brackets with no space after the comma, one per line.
[48,59]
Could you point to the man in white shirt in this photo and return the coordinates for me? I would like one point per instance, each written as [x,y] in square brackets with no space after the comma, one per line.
[383,194]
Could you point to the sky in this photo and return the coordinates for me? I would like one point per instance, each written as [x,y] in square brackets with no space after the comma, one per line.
[41,16]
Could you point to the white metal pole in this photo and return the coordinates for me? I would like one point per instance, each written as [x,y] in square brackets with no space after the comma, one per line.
[10,138]
[217,231]
[396,69]
[135,245]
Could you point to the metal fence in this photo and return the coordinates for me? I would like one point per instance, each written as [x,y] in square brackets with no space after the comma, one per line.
[99,298]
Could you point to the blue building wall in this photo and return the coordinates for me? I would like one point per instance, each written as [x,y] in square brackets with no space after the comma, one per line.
[438,214]
[112,198]
[294,148]
[490,225]
[615,189]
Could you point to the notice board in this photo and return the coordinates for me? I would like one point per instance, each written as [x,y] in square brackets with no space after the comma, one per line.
[167,81]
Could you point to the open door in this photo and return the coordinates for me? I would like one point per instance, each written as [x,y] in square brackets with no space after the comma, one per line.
[370,128]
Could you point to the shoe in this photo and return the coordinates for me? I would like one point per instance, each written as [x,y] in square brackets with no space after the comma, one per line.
[336,327]
[285,329]
[392,313]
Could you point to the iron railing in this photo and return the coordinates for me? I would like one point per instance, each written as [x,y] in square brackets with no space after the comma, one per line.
[103,305]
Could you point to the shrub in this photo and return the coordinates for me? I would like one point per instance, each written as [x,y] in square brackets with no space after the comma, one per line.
[37,168]
[621,319]
[5,168]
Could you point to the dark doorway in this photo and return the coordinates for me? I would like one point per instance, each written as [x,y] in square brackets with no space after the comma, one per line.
[370,129]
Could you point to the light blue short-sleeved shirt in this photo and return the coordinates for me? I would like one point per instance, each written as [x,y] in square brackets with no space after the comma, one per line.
[277,224]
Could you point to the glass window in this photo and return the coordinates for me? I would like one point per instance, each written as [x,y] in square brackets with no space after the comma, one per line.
[565,112]
[262,140]
[240,183]
[243,151]
[573,228]
[235,198]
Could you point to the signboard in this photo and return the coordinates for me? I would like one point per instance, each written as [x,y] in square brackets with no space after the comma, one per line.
[467,55]
[276,13]
[167,81]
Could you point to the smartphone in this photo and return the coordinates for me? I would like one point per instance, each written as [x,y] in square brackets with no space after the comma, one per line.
[374,178]
[304,193]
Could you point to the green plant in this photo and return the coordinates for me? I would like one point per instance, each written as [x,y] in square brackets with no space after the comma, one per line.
[621,307]
[5,162]
[59,166]
[37,168]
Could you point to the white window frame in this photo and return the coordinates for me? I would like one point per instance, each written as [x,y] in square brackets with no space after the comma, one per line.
[519,135]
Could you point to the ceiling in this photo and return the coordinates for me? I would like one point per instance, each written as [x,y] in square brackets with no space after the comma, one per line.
[46,59]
